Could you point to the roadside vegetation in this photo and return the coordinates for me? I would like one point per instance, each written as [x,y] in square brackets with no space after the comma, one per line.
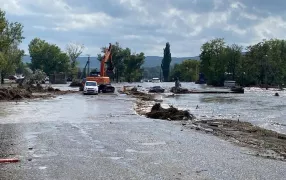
[10,39]
[263,63]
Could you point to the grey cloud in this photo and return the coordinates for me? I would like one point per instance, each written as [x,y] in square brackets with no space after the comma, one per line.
[266,6]
[146,25]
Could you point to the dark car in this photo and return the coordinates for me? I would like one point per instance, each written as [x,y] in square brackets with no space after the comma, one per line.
[12,77]
[156,89]
[106,88]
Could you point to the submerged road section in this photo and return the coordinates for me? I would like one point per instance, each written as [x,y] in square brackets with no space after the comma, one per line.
[101,137]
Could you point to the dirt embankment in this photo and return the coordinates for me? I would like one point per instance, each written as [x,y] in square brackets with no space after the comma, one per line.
[29,92]
[266,143]
[14,94]
[263,142]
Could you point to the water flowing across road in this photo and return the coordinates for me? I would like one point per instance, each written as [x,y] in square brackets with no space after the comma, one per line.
[101,137]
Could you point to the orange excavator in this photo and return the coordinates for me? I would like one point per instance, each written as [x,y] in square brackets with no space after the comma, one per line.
[101,78]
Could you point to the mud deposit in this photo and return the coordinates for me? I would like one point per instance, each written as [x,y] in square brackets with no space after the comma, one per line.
[171,113]
[31,92]
[267,143]
[14,94]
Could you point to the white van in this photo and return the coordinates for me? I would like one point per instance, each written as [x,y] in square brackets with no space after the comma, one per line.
[90,87]
[155,80]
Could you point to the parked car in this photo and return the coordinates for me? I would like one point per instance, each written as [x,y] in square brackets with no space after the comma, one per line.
[106,88]
[12,77]
[90,87]
[156,89]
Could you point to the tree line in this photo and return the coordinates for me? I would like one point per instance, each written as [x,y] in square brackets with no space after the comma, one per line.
[10,39]
[50,59]
[262,64]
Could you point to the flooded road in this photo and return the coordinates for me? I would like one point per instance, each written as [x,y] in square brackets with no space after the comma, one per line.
[101,137]
[257,106]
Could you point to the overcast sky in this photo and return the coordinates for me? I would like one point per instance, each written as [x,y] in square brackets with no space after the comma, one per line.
[146,25]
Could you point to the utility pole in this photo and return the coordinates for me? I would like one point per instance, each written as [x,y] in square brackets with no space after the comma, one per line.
[161,73]
[88,62]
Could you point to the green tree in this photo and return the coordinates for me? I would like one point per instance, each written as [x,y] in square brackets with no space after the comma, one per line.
[263,63]
[48,57]
[10,38]
[213,61]
[74,50]
[11,60]
[233,57]
[133,70]
[166,61]
[267,62]
[186,71]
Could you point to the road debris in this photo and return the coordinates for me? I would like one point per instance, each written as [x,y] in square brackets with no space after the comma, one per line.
[13,160]
[171,113]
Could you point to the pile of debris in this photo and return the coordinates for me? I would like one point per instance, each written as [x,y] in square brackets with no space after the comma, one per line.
[172,113]
[140,95]
[14,94]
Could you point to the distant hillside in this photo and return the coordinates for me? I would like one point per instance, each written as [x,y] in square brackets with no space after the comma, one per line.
[150,61]
[153,61]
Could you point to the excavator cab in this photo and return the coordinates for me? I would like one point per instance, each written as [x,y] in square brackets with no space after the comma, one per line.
[94,74]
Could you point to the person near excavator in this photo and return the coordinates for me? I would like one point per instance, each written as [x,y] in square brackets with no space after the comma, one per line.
[177,84]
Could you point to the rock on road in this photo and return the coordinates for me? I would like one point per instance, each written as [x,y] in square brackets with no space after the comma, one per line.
[100,137]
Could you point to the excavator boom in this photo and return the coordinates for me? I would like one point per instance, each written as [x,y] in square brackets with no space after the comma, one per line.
[106,57]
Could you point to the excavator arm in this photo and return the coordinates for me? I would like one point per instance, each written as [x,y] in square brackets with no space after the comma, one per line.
[105,58]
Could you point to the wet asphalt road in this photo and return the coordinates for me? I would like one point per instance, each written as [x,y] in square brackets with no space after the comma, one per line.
[100,137]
